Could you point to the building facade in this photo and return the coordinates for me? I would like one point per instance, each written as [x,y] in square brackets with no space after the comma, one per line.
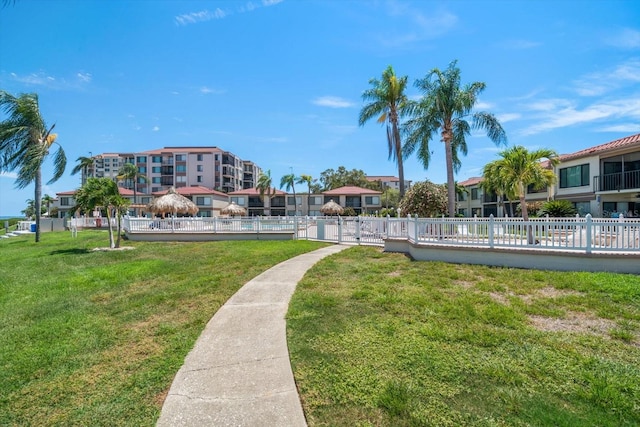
[603,181]
[179,167]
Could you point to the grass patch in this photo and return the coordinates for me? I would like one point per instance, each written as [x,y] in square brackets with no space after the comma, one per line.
[95,338]
[376,339]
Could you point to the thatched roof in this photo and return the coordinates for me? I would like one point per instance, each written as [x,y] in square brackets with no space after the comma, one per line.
[172,202]
[233,209]
[331,208]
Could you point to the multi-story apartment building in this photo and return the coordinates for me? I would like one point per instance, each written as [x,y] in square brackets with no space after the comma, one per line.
[388,181]
[603,180]
[178,167]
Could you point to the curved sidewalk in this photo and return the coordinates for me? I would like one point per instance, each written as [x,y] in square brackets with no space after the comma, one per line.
[239,373]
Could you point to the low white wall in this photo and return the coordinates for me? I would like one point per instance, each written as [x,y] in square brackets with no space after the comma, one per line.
[538,259]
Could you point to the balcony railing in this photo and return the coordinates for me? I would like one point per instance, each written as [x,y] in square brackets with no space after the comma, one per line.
[618,181]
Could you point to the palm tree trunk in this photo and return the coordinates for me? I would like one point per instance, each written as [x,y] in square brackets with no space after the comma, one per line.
[309,199]
[37,201]
[111,241]
[451,185]
[398,148]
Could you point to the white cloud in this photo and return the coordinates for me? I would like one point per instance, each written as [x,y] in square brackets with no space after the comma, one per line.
[332,102]
[155,129]
[622,127]
[599,83]
[483,106]
[10,175]
[207,90]
[508,117]
[518,44]
[43,79]
[626,38]
[206,15]
[84,77]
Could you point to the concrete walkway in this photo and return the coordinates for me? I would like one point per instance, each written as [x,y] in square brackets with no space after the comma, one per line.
[239,373]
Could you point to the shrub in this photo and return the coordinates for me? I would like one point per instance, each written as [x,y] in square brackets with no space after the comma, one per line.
[558,209]
[424,199]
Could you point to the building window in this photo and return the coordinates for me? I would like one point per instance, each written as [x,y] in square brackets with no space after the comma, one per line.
[181,157]
[146,200]
[156,180]
[181,178]
[206,214]
[372,200]
[199,178]
[156,169]
[142,169]
[315,200]
[200,168]
[203,201]
[156,159]
[297,202]
[238,200]
[141,159]
[575,176]
[474,194]
[64,201]
[181,168]
[582,208]
[200,157]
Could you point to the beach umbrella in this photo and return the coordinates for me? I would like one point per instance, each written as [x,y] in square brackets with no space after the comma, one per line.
[331,208]
[173,203]
[233,210]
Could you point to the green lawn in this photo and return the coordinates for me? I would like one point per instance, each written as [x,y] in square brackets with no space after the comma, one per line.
[378,340]
[94,338]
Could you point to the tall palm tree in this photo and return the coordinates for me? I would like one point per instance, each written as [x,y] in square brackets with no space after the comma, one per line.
[308,179]
[264,185]
[388,103]
[288,181]
[25,142]
[129,172]
[445,108]
[85,165]
[518,168]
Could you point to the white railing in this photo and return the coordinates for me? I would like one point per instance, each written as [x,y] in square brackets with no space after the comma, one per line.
[575,234]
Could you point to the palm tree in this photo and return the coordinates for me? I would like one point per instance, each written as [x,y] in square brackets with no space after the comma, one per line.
[47,200]
[85,165]
[102,193]
[129,172]
[25,142]
[264,185]
[388,104]
[288,181]
[445,108]
[309,180]
[518,168]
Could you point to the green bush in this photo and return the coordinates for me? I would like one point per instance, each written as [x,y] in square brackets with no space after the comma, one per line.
[558,209]
[424,199]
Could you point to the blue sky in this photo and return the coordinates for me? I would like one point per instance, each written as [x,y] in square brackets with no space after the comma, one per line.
[280,82]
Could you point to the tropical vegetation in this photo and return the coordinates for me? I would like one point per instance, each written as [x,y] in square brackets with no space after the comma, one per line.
[84,165]
[103,193]
[25,144]
[388,104]
[265,185]
[558,209]
[425,199]
[131,175]
[289,183]
[445,109]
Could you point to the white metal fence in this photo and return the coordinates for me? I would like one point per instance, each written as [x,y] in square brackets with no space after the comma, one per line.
[575,234]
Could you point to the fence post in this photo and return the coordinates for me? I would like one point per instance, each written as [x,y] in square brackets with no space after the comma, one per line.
[357,225]
[416,239]
[386,226]
[490,230]
[339,229]
[588,228]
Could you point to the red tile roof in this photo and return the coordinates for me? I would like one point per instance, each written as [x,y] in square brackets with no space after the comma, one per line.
[471,181]
[350,190]
[626,142]
[254,192]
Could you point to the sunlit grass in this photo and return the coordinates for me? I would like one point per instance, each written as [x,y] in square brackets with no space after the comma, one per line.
[377,339]
[94,338]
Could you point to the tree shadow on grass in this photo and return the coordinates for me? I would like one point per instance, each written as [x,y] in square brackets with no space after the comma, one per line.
[72,251]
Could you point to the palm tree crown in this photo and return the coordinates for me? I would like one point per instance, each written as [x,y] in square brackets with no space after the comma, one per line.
[85,165]
[129,172]
[264,185]
[308,179]
[518,168]
[388,104]
[289,181]
[445,108]
[25,143]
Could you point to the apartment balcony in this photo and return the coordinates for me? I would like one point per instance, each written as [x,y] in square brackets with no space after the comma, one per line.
[629,180]
[166,170]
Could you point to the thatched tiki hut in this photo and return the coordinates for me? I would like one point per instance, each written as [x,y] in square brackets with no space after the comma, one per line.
[172,203]
[331,208]
[233,209]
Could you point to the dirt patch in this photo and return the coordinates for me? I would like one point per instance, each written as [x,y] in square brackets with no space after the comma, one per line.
[573,322]
[121,248]
[548,292]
